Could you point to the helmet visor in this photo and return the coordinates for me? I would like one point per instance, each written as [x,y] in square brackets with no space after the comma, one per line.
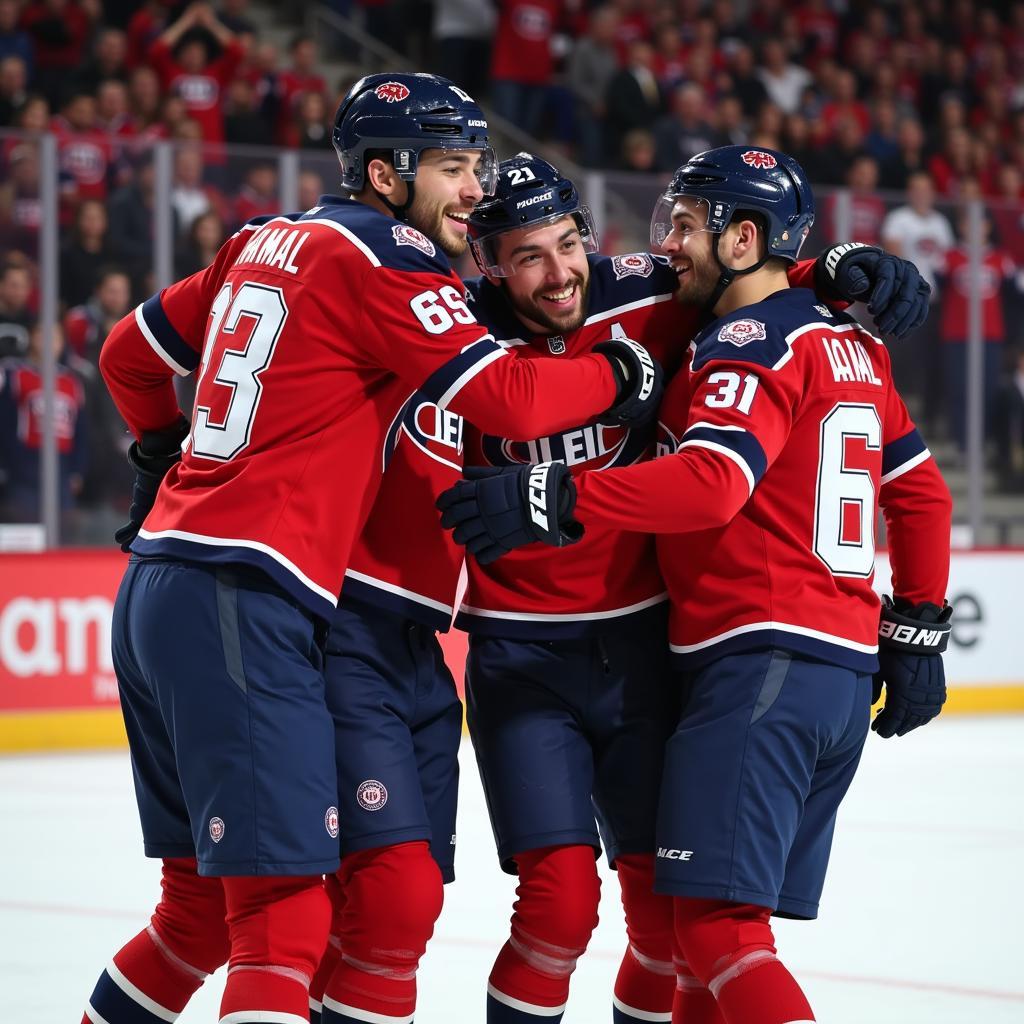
[676,216]
[499,256]
[486,171]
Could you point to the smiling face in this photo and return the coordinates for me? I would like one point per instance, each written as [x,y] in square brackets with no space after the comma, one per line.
[688,247]
[447,189]
[551,278]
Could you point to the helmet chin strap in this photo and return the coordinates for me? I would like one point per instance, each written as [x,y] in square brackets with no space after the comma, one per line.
[400,212]
[728,274]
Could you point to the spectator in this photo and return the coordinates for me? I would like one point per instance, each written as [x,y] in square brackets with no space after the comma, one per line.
[16,314]
[113,113]
[844,103]
[292,83]
[746,82]
[85,253]
[1008,218]
[909,157]
[882,141]
[731,126]
[957,164]
[182,59]
[312,123]
[59,30]
[834,158]
[22,428]
[261,71]
[14,41]
[144,29]
[670,63]
[201,245]
[108,478]
[258,194]
[463,30]
[522,63]
[20,208]
[632,100]
[783,80]
[592,65]
[109,56]
[243,124]
[311,188]
[684,132]
[85,155]
[1008,425]
[145,103]
[13,88]
[190,195]
[131,227]
[640,152]
[919,232]
[959,279]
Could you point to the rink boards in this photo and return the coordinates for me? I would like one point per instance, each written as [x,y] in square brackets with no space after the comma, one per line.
[58,691]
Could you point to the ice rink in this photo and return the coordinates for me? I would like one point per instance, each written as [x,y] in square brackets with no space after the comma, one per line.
[920,919]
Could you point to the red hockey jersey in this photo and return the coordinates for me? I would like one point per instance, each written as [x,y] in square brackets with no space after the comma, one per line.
[314,330]
[793,436]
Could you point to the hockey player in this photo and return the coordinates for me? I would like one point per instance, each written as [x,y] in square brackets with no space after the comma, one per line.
[309,332]
[784,437]
[397,715]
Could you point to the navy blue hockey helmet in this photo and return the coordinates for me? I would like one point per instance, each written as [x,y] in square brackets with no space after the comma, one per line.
[530,193]
[408,113]
[750,178]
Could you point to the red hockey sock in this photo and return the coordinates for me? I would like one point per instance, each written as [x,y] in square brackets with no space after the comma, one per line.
[646,980]
[278,929]
[554,917]
[186,940]
[332,954]
[693,1003]
[731,949]
[392,899]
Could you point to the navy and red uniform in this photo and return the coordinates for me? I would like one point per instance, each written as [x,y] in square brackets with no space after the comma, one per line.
[397,713]
[787,434]
[566,676]
[309,332]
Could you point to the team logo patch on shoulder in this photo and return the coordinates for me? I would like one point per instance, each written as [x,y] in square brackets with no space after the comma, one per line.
[405,235]
[758,158]
[216,829]
[824,311]
[391,92]
[371,795]
[742,332]
[634,264]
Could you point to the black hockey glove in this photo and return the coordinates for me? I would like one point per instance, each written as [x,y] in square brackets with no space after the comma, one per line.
[495,510]
[151,458]
[896,293]
[639,380]
[911,640]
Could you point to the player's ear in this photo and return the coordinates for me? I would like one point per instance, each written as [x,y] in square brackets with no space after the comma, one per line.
[742,241]
[382,177]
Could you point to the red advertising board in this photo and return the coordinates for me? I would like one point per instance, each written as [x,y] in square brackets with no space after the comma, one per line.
[57,685]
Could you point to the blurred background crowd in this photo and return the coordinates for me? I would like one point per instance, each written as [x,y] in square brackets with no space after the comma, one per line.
[901,113]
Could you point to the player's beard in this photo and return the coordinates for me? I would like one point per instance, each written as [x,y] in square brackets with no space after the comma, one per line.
[430,219]
[698,284]
[533,308]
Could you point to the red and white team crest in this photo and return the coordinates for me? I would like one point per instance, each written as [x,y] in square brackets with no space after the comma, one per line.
[216,829]
[742,332]
[371,795]
[405,235]
[331,822]
[391,92]
[637,264]
[758,158]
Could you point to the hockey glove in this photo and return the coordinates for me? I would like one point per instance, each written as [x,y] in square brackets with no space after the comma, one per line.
[911,640]
[896,293]
[639,382]
[151,458]
[495,510]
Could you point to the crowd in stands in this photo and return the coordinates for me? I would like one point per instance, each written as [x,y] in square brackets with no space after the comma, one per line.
[922,100]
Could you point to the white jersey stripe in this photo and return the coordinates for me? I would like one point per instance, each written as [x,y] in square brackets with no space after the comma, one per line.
[635,1014]
[391,588]
[155,345]
[907,466]
[488,613]
[253,545]
[367,1015]
[729,454]
[610,314]
[782,627]
[469,374]
[138,996]
[522,1007]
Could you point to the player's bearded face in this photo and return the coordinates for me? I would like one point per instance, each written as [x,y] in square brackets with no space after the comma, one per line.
[447,189]
[688,246]
[552,276]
